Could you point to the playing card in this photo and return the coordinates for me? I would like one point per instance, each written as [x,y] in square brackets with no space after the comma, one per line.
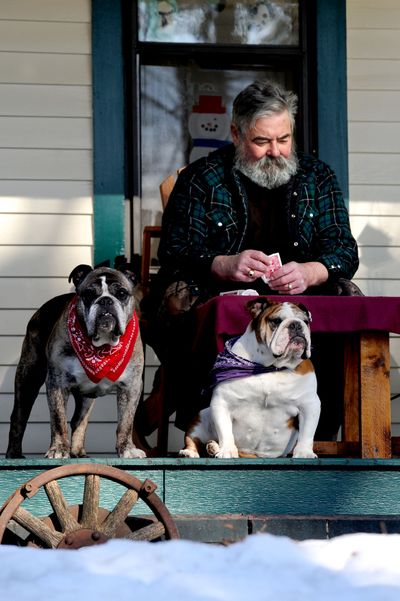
[244,292]
[276,262]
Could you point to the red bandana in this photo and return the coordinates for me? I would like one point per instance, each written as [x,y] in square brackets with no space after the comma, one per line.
[104,361]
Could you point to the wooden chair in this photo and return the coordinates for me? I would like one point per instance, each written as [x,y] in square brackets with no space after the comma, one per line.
[154,231]
[155,412]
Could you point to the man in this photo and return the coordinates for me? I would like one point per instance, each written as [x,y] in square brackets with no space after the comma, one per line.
[230,211]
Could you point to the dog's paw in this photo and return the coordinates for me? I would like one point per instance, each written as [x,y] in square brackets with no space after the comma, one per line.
[304,453]
[212,448]
[132,453]
[14,454]
[189,453]
[57,453]
[227,453]
[79,453]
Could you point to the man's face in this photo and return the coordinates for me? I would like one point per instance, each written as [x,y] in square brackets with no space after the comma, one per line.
[271,136]
[265,153]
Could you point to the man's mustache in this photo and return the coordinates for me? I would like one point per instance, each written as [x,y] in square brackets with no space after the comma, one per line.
[271,160]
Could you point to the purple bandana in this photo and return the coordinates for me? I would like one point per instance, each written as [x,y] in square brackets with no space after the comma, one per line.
[228,366]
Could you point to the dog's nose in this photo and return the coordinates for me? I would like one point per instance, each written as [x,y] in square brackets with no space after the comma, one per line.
[296,327]
[105,301]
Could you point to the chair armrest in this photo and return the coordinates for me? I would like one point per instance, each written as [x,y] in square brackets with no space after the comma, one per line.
[149,232]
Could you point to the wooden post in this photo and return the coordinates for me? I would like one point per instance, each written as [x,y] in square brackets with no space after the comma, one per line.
[375,395]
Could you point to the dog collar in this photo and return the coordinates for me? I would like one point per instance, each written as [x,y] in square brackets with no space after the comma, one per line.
[104,361]
[228,366]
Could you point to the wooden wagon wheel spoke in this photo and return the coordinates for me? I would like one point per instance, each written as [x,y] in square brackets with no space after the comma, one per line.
[50,538]
[60,506]
[20,536]
[150,532]
[91,496]
[119,514]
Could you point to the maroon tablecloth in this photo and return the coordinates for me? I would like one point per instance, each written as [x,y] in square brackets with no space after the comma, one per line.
[225,316]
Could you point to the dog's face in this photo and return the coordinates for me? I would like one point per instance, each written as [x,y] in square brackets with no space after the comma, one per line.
[105,303]
[283,327]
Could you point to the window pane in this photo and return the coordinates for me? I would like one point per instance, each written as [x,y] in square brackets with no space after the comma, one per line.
[224,22]
[185,114]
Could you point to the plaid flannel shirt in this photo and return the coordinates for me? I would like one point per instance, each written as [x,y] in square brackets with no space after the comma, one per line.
[207,215]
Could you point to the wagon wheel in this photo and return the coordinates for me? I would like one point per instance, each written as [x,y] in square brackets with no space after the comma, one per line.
[75,526]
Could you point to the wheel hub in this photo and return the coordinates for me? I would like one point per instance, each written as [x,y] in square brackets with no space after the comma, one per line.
[85,537]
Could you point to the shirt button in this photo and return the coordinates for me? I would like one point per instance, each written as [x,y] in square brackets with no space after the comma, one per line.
[293,216]
[295,243]
[294,193]
[311,214]
[219,223]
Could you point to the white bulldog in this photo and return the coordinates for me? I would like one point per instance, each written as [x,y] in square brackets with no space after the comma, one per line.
[265,401]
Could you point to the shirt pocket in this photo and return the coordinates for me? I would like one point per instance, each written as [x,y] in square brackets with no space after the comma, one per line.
[308,213]
[308,223]
[220,222]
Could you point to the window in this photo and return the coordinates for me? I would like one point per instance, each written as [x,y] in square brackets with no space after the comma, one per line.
[207,22]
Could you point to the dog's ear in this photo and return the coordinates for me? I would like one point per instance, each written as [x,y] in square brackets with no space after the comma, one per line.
[257,306]
[128,269]
[78,274]
[306,311]
[132,277]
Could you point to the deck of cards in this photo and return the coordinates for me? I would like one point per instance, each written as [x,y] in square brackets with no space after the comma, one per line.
[275,264]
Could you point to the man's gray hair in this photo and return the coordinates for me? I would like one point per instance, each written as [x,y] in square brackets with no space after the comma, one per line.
[262,99]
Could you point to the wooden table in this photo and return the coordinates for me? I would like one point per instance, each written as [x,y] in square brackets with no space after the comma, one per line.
[366,321]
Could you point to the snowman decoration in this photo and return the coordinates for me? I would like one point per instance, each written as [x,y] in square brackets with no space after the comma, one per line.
[209,126]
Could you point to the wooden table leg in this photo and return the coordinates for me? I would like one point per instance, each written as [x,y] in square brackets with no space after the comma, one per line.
[375,409]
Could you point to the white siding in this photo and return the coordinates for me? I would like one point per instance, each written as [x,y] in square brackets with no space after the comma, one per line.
[46,210]
[373,48]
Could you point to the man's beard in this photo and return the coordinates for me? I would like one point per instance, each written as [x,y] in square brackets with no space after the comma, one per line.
[268,172]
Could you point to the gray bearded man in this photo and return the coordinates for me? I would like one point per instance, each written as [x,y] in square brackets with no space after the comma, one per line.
[227,214]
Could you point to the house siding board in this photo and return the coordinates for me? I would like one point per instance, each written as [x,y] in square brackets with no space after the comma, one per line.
[41,164]
[45,36]
[56,69]
[384,14]
[46,10]
[47,132]
[46,197]
[37,261]
[378,75]
[43,100]
[372,105]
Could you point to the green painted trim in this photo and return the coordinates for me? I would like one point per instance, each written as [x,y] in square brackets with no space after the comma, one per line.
[108,130]
[185,464]
[332,88]
[109,223]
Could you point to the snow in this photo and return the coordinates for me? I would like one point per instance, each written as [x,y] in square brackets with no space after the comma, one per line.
[264,567]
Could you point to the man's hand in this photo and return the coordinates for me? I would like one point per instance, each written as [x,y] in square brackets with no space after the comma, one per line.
[295,278]
[247,266]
